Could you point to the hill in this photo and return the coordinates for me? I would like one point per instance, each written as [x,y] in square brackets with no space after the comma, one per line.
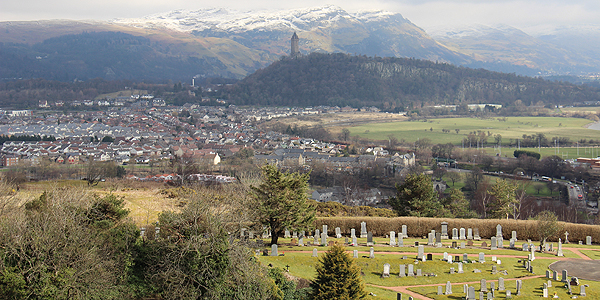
[393,84]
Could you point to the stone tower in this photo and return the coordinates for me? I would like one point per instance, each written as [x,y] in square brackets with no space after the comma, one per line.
[295,48]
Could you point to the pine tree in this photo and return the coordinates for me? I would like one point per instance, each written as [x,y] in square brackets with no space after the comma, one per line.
[282,201]
[416,197]
[338,276]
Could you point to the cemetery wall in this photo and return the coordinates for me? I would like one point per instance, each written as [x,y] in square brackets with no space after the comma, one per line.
[420,227]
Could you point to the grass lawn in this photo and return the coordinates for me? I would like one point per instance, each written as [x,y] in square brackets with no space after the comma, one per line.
[563,152]
[512,128]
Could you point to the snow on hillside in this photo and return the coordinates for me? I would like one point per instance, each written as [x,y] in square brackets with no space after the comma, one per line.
[227,20]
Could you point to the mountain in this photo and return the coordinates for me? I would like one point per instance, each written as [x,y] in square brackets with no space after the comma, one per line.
[393,84]
[564,52]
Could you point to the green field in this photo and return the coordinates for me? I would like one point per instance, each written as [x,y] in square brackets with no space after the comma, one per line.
[563,152]
[512,128]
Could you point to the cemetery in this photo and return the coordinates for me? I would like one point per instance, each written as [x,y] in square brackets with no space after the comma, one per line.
[450,262]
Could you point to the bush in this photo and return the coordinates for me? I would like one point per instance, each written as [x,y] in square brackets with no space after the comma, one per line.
[535,155]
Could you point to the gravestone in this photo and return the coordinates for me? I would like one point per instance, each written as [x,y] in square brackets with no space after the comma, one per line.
[439,290]
[490,296]
[588,240]
[301,242]
[501,284]
[402,271]
[494,244]
[582,290]
[462,235]
[548,274]
[498,231]
[355,253]
[418,272]
[274,250]
[398,296]
[483,285]
[421,252]
[471,293]
[465,257]
[494,259]
[555,276]
[445,230]
[484,245]
[430,239]
[354,241]
[325,230]
[429,257]
[346,241]
[481,296]
[512,244]
[450,258]
[564,276]
[460,268]
[392,238]
[465,289]
[551,247]
[481,257]
[323,239]
[525,247]
[492,286]
[476,234]
[315,254]
[286,234]
[448,288]
[251,234]
[371,253]
[469,233]
[446,256]
[363,230]
[404,232]
[451,270]
[545,292]
[500,242]
[462,245]
[369,239]
[352,232]
[295,234]
[411,271]
[494,270]
[457,258]
[470,243]
[566,237]
[508,294]
[453,244]
[338,233]
[302,233]
[559,252]
[400,241]
[438,239]
[549,283]
[519,286]
[454,234]
[386,271]
[317,236]
[532,253]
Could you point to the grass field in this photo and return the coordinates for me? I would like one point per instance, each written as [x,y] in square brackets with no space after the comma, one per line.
[512,128]
[563,152]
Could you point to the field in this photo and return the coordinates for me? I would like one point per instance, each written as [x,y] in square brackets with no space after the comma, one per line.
[512,128]
[563,152]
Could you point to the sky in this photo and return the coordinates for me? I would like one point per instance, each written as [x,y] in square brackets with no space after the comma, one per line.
[424,13]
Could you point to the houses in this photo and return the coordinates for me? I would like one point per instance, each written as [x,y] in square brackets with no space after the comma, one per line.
[349,196]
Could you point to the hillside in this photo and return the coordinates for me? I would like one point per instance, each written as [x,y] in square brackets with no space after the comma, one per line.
[393,84]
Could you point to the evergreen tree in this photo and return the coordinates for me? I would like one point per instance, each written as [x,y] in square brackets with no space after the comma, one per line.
[458,205]
[338,277]
[282,201]
[416,197]
[504,199]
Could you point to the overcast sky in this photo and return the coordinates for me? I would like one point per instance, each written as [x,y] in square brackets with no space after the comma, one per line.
[424,13]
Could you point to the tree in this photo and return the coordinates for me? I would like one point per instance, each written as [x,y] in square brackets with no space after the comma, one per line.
[439,172]
[416,197]
[458,206]
[108,139]
[282,202]
[473,179]
[548,225]
[504,201]
[338,276]
[345,135]
[454,177]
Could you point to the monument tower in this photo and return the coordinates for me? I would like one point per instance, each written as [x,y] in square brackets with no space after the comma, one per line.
[295,51]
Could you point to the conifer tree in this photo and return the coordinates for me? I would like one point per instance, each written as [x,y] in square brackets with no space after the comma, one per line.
[338,276]
[416,197]
[282,201]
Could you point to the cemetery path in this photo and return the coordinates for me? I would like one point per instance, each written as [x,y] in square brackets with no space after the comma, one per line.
[576,251]
[404,289]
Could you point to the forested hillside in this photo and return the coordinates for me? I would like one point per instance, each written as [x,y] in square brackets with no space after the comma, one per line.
[393,84]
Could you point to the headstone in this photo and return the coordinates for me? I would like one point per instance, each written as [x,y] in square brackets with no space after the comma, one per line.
[494,243]
[402,270]
[457,258]
[317,236]
[500,242]
[371,253]
[566,237]
[508,294]
[450,258]
[570,292]
[564,276]
[545,292]
[519,286]
[460,268]
[302,233]
[494,270]
[582,290]
[454,234]
[588,240]
[462,235]
[386,271]
[512,243]
[445,230]
[465,289]
[363,230]
[421,252]
[400,241]
[483,285]
[454,244]
[471,293]
[301,241]
[551,247]
[404,232]
[315,254]
[532,253]
[274,250]
[448,288]
[470,243]
[525,247]
[411,271]
[429,257]
[481,257]
[446,256]
[355,253]
[438,239]
[501,284]
[469,233]
[398,296]
[338,233]
[323,239]
[555,276]
[287,235]
[295,234]
[430,237]
[392,238]
[370,239]
[548,274]
[492,286]
[484,245]
[465,257]
[418,272]
[498,231]
[352,232]
[325,230]
[451,270]
[346,240]
[549,283]
[462,245]
[439,290]
[354,241]
[476,234]
[490,296]
[494,259]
